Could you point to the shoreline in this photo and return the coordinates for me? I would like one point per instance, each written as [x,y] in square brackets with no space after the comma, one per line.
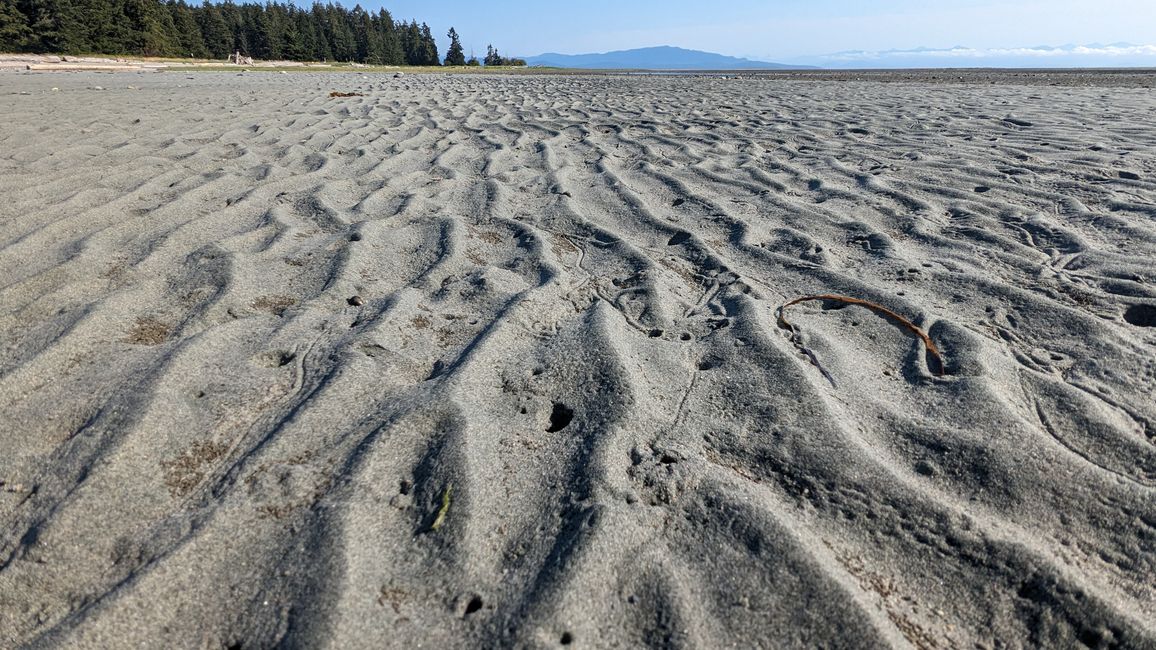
[1074,77]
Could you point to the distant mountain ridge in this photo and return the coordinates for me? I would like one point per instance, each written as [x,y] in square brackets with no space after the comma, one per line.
[655,58]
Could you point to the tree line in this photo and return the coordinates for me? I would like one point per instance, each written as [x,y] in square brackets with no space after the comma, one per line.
[174,28]
[457,56]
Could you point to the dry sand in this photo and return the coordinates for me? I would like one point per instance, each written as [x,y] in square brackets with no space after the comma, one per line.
[495,361]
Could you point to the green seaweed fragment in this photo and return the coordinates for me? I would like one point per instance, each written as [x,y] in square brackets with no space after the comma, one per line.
[441,516]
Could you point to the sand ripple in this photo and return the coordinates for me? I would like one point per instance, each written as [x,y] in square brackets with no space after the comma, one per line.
[565,412]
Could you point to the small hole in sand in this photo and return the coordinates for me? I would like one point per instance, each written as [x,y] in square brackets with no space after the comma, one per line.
[560,417]
[405,486]
[655,333]
[355,237]
[1094,637]
[275,358]
[567,638]
[1141,315]
[474,605]
[982,189]
[679,238]
[678,202]
[686,336]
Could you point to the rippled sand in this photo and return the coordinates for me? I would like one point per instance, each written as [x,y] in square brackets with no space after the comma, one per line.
[496,361]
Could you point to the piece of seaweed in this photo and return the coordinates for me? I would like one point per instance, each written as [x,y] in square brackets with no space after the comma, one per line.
[441,516]
[875,307]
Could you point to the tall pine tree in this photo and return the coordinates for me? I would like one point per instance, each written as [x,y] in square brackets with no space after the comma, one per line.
[429,47]
[392,53]
[215,32]
[340,33]
[455,55]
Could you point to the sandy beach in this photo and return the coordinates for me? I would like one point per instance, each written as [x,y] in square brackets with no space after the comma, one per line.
[499,361]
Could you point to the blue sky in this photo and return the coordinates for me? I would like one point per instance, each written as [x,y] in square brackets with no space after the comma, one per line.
[777,29]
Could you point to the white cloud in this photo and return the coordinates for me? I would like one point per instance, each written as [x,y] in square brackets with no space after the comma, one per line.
[1106,51]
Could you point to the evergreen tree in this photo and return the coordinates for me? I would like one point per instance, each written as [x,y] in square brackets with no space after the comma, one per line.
[56,27]
[299,41]
[367,37]
[150,29]
[429,47]
[391,51]
[234,22]
[319,20]
[260,35]
[272,22]
[104,28]
[15,32]
[189,39]
[455,55]
[410,35]
[340,33]
[215,32]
